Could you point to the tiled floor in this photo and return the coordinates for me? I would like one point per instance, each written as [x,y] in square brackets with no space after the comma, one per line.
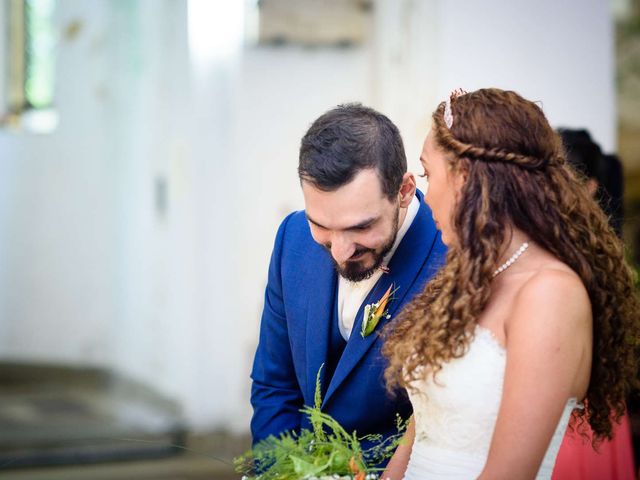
[80,424]
[188,467]
[205,460]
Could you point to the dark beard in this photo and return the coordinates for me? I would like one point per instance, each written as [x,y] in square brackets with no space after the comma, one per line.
[354,271]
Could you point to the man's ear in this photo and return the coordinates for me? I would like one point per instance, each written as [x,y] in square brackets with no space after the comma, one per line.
[407,189]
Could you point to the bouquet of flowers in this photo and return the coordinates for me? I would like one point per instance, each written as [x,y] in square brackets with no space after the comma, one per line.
[325,452]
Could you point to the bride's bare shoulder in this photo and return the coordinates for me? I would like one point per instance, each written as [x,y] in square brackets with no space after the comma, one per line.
[554,290]
[553,280]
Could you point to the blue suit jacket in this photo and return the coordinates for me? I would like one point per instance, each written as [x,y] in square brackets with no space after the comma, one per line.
[294,332]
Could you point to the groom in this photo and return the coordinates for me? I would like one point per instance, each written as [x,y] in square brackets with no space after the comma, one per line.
[365,228]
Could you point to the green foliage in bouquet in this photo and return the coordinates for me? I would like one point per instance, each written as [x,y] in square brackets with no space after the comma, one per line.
[326,450]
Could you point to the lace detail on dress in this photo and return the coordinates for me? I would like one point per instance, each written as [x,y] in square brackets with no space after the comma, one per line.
[459,410]
[455,416]
[484,331]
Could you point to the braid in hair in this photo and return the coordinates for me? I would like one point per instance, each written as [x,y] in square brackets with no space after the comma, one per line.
[516,174]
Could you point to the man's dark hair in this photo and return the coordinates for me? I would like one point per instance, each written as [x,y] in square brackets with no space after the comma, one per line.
[585,155]
[348,139]
[582,152]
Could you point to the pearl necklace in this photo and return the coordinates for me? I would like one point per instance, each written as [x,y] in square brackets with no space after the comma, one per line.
[512,259]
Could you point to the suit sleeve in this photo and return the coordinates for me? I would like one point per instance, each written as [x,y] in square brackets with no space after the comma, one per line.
[275,394]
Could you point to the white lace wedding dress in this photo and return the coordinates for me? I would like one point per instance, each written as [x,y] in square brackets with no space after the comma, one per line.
[455,417]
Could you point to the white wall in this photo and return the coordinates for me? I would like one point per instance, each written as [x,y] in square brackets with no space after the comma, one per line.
[92,273]
[57,219]
[560,53]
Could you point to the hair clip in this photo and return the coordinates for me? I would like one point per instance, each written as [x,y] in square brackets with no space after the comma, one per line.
[448,115]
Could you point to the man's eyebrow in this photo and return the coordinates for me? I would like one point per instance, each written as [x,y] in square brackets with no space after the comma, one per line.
[363,224]
[313,221]
[357,226]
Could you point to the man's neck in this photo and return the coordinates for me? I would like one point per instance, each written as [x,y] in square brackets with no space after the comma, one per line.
[402,214]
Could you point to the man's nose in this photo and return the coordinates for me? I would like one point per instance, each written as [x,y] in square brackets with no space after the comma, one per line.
[341,248]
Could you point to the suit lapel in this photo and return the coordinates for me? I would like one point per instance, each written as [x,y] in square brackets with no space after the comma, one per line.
[405,265]
[321,287]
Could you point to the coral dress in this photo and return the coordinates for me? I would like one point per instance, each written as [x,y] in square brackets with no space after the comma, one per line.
[577,460]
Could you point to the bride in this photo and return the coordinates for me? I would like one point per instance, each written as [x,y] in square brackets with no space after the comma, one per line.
[533,322]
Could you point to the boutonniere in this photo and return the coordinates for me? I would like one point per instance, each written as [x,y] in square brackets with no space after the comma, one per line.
[373,312]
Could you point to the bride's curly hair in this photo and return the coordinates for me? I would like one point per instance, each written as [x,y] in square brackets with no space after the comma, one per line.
[516,175]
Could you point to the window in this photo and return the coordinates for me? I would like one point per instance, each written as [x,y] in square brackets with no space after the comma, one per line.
[29,56]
